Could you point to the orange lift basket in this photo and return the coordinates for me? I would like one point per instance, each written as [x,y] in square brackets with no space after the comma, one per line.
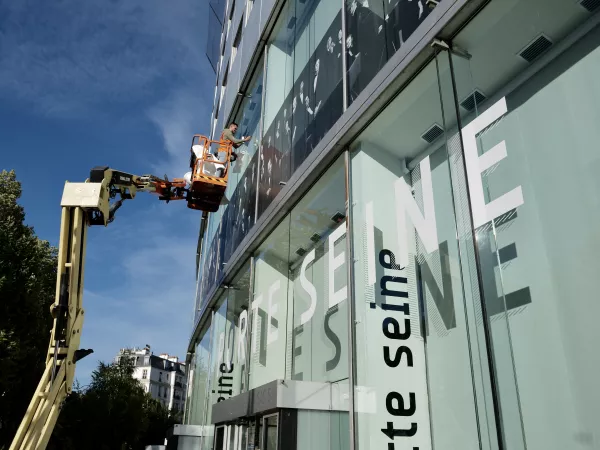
[209,161]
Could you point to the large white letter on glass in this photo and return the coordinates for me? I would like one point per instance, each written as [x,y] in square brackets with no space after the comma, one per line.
[255,331]
[476,164]
[309,288]
[424,224]
[242,327]
[340,295]
[272,336]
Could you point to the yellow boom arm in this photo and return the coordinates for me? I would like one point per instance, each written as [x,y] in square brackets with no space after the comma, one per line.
[82,204]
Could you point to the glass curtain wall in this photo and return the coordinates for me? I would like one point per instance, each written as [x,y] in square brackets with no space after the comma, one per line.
[220,363]
[527,117]
[197,402]
[304,95]
[318,284]
[414,382]
[299,310]
[375,31]
[473,250]
[228,226]
[269,317]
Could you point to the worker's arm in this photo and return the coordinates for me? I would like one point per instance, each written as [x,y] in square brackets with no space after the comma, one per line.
[228,135]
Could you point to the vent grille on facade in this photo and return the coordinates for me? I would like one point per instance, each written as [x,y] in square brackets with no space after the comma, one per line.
[300,252]
[590,5]
[475,98]
[338,217]
[432,133]
[538,46]
[315,238]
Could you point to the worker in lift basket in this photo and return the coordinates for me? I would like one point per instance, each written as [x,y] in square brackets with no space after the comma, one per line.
[228,135]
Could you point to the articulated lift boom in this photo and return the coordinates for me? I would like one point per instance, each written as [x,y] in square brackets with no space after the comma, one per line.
[95,203]
[82,204]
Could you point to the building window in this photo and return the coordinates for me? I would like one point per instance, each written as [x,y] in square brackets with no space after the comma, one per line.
[145,374]
[160,377]
[249,5]
[307,262]
[237,41]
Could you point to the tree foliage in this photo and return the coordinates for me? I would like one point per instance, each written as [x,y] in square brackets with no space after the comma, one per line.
[27,288]
[113,412]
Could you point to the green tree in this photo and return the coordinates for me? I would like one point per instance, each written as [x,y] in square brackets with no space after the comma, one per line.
[113,412]
[27,288]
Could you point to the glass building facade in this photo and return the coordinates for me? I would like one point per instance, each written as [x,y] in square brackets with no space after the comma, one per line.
[409,252]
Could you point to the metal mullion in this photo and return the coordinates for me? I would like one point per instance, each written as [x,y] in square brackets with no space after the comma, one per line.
[250,319]
[351,304]
[261,131]
[486,325]
[344,62]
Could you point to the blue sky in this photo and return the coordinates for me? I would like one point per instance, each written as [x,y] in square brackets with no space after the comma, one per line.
[124,84]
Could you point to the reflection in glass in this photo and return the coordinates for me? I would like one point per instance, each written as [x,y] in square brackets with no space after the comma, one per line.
[268,317]
[323,430]
[319,287]
[237,330]
[536,256]
[376,30]
[270,433]
[200,380]
[409,294]
[304,89]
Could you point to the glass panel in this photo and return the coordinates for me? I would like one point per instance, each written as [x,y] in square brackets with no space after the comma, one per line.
[414,374]
[248,120]
[237,331]
[258,436]
[220,439]
[318,91]
[243,439]
[230,225]
[221,382]
[318,275]
[304,89]
[269,308]
[233,431]
[270,424]
[478,334]
[253,442]
[530,145]
[200,380]
[274,159]
[323,430]
[214,39]
[375,30]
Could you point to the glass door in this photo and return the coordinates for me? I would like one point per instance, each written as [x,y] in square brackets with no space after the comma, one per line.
[270,426]
[220,438]
[235,437]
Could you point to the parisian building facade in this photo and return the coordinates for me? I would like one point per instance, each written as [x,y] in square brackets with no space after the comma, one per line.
[409,255]
[163,377]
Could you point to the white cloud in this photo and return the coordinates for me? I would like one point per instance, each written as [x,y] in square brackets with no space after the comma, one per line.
[66,57]
[177,119]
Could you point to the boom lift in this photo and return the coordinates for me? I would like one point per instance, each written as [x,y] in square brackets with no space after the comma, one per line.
[95,202]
